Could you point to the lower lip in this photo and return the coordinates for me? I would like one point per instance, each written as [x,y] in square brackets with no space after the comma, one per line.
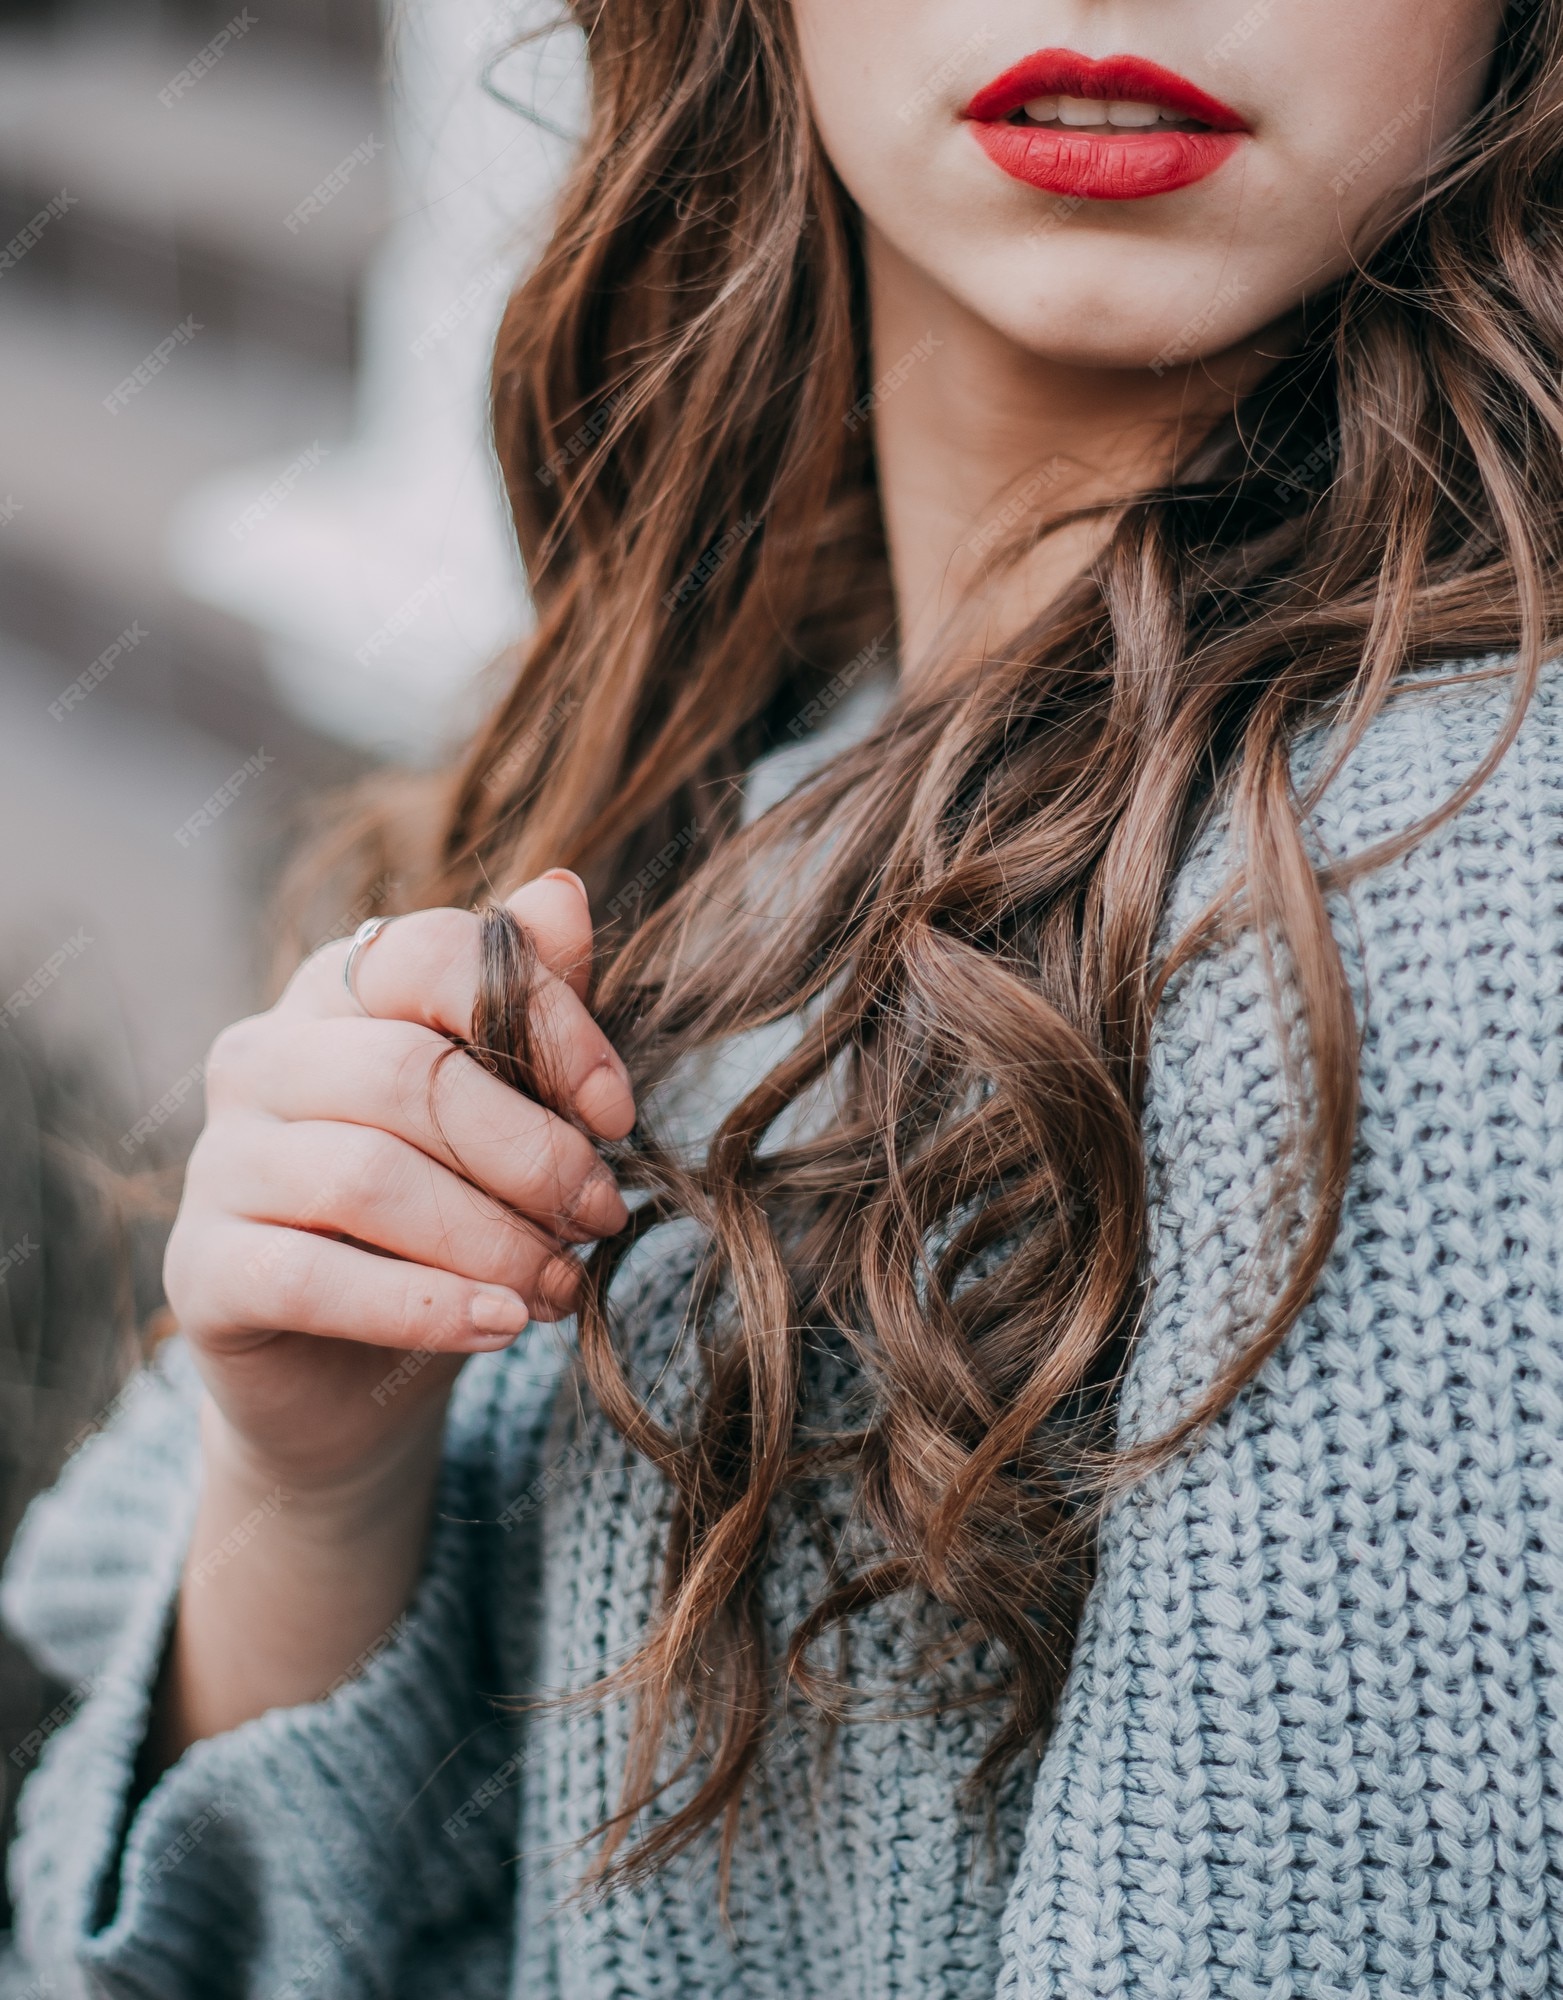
[1096,167]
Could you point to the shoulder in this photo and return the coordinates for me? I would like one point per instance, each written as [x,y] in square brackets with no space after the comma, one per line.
[1453,952]
[1432,735]
[1455,940]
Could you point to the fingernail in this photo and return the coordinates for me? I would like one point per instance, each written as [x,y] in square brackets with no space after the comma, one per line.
[498,1312]
[565,875]
[605,1095]
[560,1277]
[597,1205]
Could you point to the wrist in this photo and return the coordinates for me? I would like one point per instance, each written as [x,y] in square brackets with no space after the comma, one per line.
[371,1491]
[288,1583]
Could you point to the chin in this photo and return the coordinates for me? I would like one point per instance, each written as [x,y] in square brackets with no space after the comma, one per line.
[1116,322]
[1118,305]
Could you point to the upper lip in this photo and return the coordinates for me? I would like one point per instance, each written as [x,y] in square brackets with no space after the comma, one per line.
[1132,79]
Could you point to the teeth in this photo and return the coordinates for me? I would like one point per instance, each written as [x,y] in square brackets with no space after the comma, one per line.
[1095,111]
[1079,111]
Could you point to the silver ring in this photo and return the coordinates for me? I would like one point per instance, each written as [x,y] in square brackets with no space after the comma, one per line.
[363,937]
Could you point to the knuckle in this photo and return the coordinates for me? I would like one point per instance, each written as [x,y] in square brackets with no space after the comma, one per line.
[574,1167]
[232,1056]
[508,1253]
[357,1158]
[227,1164]
[441,938]
[182,1268]
[282,1275]
[416,1065]
[560,1280]
[214,1273]
[206,1162]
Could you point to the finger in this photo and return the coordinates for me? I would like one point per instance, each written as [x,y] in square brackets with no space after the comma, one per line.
[407,1081]
[426,967]
[257,1278]
[354,1181]
[554,908]
[559,1055]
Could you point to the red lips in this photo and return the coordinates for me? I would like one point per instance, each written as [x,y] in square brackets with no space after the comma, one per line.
[1092,166]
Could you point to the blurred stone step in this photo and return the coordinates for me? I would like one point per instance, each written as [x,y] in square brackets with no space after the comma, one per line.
[247,183]
[86,494]
[95,486]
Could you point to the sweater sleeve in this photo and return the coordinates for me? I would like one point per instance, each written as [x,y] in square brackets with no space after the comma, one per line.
[330,1848]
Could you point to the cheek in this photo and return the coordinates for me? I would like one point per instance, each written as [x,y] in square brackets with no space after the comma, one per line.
[876,69]
[1356,96]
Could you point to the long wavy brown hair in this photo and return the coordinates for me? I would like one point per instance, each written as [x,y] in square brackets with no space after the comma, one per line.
[971,919]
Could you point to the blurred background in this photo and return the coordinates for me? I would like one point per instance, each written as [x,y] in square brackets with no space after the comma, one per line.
[251,544]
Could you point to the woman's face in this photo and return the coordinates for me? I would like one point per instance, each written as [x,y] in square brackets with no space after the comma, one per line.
[1188,170]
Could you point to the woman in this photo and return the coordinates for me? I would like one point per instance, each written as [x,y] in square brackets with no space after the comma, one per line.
[1055,1484]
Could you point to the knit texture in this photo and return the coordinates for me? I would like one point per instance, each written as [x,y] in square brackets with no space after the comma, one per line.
[1311,1743]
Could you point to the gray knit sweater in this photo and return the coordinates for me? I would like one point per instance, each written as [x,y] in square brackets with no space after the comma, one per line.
[1312,1741]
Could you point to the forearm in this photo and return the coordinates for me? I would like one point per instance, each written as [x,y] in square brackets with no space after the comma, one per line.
[286,1591]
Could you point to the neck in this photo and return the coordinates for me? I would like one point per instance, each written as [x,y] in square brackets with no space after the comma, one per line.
[978,439]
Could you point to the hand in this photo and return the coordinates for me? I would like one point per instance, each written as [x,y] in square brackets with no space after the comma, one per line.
[367,1206]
